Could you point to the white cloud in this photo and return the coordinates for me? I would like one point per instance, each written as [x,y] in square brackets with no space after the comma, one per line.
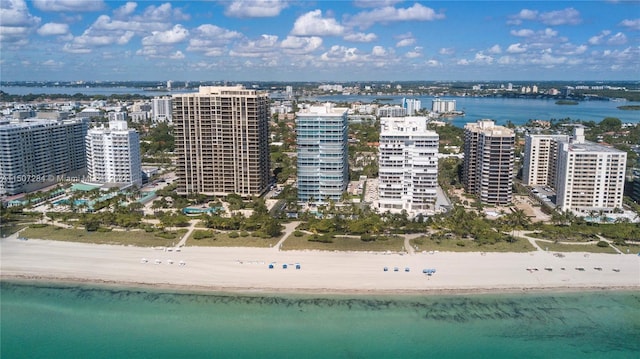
[433,63]
[178,55]
[447,51]
[481,58]
[53,29]
[256,48]
[416,52]
[406,42]
[69,5]
[75,48]
[617,39]
[495,49]
[379,51]
[463,62]
[597,40]
[301,45]
[313,24]
[341,54]
[161,13]
[52,63]
[516,48]
[16,22]
[125,10]
[361,37]
[389,14]
[631,24]
[568,16]
[211,39]
[603,37]
[523,32]
[507,60]
[548,60]
[570,49]
[255,8]
[173,36]
[539,39]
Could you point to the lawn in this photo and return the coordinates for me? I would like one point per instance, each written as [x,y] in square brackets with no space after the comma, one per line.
[395,244]
[559,247]
[425,243]
[223,239]
[140,239]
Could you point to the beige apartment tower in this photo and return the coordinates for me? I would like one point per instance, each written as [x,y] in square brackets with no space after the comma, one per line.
[540,157]
[221,141]
[488,162]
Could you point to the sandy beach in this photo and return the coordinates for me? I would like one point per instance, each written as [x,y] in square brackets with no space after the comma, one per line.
[247,269]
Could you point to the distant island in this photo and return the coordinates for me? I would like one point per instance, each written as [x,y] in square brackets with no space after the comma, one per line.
[629,107]
[566,102]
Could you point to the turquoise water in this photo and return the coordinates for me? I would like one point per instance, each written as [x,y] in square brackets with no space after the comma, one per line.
[56,321]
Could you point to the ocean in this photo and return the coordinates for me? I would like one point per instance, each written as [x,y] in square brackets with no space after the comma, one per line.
[52,321]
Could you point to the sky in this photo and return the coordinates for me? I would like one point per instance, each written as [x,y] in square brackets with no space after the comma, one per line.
[296,40]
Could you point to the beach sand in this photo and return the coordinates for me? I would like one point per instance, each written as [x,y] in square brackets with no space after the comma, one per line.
[247,269]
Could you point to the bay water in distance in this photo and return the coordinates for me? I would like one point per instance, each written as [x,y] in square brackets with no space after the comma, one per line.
[499,109]
[81,321]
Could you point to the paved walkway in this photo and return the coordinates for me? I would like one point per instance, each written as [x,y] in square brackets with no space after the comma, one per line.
[288,229]
[192,227]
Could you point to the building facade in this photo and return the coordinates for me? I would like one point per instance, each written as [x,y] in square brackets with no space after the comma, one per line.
[161,109]
[323,167]
[408,158]
[391,111]
[443,106]
[221,141]
[590,176]
[488,162]
[36,153]
[113,155]
[411,105]
[540,158]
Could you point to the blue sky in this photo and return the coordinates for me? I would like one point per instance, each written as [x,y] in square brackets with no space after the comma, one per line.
[280,40]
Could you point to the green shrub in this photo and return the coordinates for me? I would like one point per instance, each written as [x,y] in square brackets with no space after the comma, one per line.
[602,244]
[197,235]
[367,238]
[104,229]
[620,242]
[234,235]
[460,244]
[325,238]
[244,234]
[298,233]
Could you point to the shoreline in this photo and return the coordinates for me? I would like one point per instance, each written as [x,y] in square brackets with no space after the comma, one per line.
[232,270]
[44,281]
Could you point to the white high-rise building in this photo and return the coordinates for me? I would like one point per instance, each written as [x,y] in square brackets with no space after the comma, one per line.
[411,105]
[590,176]
[540,156]
[161,110]
[391,111]
[443,106]
[36,153]
[408,169]
[117,116]
[113,154]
